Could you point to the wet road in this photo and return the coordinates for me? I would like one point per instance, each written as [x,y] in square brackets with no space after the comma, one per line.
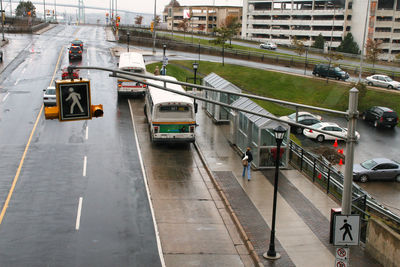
[79,198]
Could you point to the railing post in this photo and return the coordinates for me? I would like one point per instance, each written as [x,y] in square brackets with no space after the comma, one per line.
[301,161]
[313,174]
[329,180]
[290,150]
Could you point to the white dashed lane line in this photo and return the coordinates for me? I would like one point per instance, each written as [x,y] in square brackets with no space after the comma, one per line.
[78,214]
[84,166]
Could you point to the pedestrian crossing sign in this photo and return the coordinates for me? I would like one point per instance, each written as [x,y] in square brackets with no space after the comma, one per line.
[346,230]
[73,99]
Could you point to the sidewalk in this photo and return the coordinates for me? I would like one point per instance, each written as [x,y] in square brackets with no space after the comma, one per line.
[303,210]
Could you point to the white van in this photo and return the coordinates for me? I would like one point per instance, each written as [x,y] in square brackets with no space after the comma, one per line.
[132,62]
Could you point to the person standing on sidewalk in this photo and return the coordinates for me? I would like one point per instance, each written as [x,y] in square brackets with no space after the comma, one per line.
[247,159]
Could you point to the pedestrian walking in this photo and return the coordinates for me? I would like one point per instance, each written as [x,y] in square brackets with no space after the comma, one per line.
[157,71]
[247,159]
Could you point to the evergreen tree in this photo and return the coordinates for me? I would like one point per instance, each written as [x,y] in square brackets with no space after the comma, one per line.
[348,45]
[319,42]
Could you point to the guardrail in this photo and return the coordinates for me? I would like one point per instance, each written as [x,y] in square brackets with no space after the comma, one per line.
[321,172]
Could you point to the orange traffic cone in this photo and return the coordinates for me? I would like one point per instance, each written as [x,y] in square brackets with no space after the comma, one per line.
[340,151]
[319,176]
[340,162]
[335,144]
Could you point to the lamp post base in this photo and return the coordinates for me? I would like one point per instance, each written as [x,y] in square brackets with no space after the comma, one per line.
[277,256]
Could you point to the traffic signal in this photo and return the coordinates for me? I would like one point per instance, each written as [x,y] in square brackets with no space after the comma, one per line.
[152,26]
[97,110]
[73,102]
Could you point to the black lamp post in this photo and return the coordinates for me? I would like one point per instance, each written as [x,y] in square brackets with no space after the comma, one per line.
[164,60]
[127,33]
[195,67]
[279,134]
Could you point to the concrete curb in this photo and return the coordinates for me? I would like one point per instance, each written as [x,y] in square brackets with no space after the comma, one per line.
[243,235]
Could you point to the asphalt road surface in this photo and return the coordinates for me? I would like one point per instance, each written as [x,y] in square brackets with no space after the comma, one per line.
[79,197]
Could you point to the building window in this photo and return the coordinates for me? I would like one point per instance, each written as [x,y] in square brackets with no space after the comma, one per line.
[383,29]
[384,18]
[262,6]
[396,30]
[386,4]
[262,17]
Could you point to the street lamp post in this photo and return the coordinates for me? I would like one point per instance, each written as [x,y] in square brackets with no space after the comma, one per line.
[154,27]
[195,67]
[279,134]
[127,33]
[163,70]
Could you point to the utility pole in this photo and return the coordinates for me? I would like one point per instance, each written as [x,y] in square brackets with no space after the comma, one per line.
[44,10]
[55,10]
[2,12]
[363,42]
[154,27]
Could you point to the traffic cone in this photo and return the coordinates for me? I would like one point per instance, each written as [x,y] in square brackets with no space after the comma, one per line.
[340,162]
[319,176]
[335,144]
[340,151]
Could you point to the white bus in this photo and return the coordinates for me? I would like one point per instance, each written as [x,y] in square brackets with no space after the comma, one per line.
[132,62]
[171,116]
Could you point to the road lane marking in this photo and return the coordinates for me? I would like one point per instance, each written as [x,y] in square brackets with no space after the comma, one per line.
[87,132]
[5,97]
[78,214]
[160,253]
[84,165]
[16,177]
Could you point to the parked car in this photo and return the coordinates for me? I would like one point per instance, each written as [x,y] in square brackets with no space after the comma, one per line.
[383,81]
[304,118]
[328,127]
[49,96]
[268,45]
[324,70]
[381,116]
[377,169]
[65,75]
[75,52]
[77,43]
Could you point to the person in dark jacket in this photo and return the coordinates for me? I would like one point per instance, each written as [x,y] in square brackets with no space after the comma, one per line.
[249,157]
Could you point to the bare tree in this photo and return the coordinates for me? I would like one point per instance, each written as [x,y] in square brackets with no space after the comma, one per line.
[299,46]
[184,26]
[157,20]
[138,20]
[372,50]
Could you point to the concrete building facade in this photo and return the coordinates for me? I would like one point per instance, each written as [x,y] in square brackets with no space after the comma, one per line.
[280,20]
[202,18]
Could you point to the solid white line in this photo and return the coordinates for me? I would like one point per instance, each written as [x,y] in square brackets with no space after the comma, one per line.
[78,214]
[84,165]
[160,253]
[5,97]
[87,132]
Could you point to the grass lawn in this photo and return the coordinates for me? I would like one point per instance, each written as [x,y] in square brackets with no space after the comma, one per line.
[286,87]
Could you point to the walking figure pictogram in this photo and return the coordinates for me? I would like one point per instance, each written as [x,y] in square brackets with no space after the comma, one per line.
[75,100]
[347,230]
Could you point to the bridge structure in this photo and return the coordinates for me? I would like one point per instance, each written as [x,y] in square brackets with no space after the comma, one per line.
[81,7]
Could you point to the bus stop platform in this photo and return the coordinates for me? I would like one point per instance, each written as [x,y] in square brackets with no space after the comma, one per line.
[302,211]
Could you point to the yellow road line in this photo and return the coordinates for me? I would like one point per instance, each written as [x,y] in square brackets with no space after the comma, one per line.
[5,206]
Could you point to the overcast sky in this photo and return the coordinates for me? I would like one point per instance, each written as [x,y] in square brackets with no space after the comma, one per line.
[141,6]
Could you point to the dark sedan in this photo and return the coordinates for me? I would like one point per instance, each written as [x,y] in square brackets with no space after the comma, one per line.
[381,116]
[381,169]
[77,43]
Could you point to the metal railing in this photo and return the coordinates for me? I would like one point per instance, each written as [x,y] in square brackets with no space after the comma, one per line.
[321,172]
